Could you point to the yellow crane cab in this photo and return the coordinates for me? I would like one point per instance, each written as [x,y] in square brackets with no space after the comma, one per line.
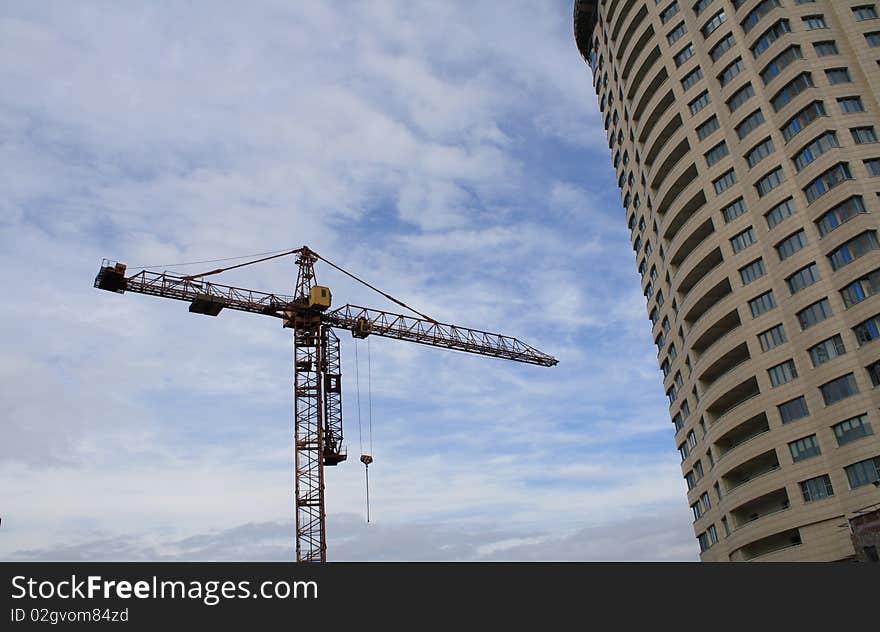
[319,297]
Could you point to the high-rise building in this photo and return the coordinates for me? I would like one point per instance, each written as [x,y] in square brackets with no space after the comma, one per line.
[744,135]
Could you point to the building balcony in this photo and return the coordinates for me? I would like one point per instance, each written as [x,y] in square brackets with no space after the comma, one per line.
[669,193]
[735,397]
[714,333]
[638,79]
[759,508]
[700,269]
[655,101]
[741,435]
[670,129]
[766,548]
[707,301]
[681,219]
[724,365]
[749,470]
[681,252]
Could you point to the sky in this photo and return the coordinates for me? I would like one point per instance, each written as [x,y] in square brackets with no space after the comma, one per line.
[447,152]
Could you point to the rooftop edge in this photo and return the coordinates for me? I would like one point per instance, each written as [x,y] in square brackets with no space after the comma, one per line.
[585,18]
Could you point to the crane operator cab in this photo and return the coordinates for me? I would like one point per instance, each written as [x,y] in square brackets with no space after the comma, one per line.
[319,298]
[362,328]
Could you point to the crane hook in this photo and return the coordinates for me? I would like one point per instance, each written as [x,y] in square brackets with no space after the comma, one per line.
[366,459]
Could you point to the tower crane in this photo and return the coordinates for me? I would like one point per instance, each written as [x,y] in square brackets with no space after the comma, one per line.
[317,383]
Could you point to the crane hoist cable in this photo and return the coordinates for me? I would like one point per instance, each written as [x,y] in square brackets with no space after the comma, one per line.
[370,394]
[366,459]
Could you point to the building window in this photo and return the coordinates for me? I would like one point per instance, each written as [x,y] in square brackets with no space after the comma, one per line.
[704,500]
[762,303]
[860,289]
[703,539]
[802,119]
[784,209]
[675,34]
[715,154]
[701,6]
[683,55]
[824,49]
[700,102]
[849,105]
[863,473]
[872,166]
[814,149]
[814,22]
[690,479]
[669,12]
[868,330]
[732,70]
[728,42]
[873,370]
[769,36]
[827,181]
[864,12]
[793,410]
[760,151]
[770,181]
[826,350]
[814,314]
[692,78]
[804,277]
[840,214]
[725,181]
[791,90]
[772,337]
[853,249]
[733,210]
[780,63]
[817,488]
[739,97]
[752,271]
[841,388]
[713,24]
[782,373]
[754,16]
[791,244]
[750,123]
[852,429]
[713,534]
[805,448]
[678,423]
[864,135]
[838,75]
[706,129]
[743,240]
[873,39]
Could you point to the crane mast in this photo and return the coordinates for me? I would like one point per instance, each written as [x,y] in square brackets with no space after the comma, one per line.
[317,371]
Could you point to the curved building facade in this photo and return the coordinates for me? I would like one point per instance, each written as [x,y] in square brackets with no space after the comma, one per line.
[744,135]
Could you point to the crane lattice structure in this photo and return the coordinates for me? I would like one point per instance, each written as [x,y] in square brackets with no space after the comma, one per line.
[317,387]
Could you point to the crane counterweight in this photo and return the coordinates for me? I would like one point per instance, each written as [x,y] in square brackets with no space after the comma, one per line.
[317,370]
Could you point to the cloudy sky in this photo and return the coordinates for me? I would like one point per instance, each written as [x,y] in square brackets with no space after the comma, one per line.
[449,152]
